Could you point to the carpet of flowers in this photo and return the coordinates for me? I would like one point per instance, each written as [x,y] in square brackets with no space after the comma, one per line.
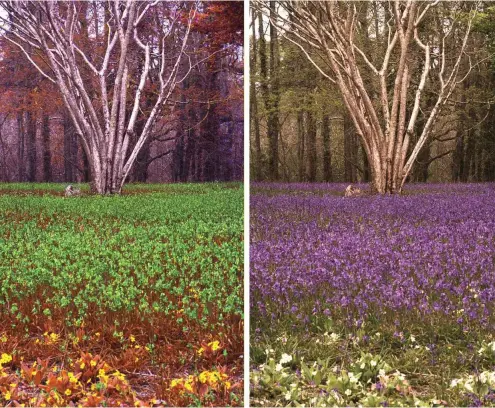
[374,300]
[131,300]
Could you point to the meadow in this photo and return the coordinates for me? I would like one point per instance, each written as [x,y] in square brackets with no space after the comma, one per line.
[130,300]
[374,300]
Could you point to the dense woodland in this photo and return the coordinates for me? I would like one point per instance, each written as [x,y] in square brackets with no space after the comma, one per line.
[301,129]
[198,133]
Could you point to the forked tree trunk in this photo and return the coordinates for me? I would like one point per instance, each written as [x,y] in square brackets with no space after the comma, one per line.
[326,32]
[107,128]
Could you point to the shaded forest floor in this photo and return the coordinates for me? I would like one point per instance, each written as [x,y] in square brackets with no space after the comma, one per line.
[372,301]
[132,300]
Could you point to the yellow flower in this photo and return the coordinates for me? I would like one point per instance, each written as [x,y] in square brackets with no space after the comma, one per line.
[97,334]
[82,365]
[132,338]
[3,338]
[54,337]
[7,396]
[119,375]
[175,382]
[203,377]
[68,392]
[215,345]
[188,386]
[227,385]
[92,363]
[37,341]
[5,358]
[72,378]
[200,351]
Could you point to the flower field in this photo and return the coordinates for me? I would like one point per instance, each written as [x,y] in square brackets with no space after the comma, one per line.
[131,300]
[373,300]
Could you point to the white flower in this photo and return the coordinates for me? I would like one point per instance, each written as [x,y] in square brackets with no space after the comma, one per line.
[287,395]
[278,367]
[413,339]
[362,366]
[454,383]
[373,363]
[334,336]
[468,386]
[381,372]
[285,358]
[348,392]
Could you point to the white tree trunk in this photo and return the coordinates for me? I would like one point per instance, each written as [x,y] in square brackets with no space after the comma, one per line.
[328,30]
[49,27]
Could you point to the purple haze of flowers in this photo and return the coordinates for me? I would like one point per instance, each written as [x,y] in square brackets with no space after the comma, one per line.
[430,251]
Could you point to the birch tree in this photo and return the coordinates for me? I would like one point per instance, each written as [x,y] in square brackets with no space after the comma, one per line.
[382,90]
[103,90]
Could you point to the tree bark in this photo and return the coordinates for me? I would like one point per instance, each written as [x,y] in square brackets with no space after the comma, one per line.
[327,152]
[20,151]
[31,146]
[311,145]
[254,106]
[301,144]
[274,97]
[47,155]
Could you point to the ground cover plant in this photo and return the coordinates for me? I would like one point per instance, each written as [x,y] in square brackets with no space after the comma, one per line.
[373,300]
[123,300]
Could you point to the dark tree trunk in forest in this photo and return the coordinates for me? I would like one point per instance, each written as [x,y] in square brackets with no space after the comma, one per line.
[31,146]
[140,170]
[327,152]
[311,145]
[47,156]
[301,144]
[366,167]
[270,94]
[254,109]
[458,157]
[274,97]
[351,146]
[71,147]
[20,151]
